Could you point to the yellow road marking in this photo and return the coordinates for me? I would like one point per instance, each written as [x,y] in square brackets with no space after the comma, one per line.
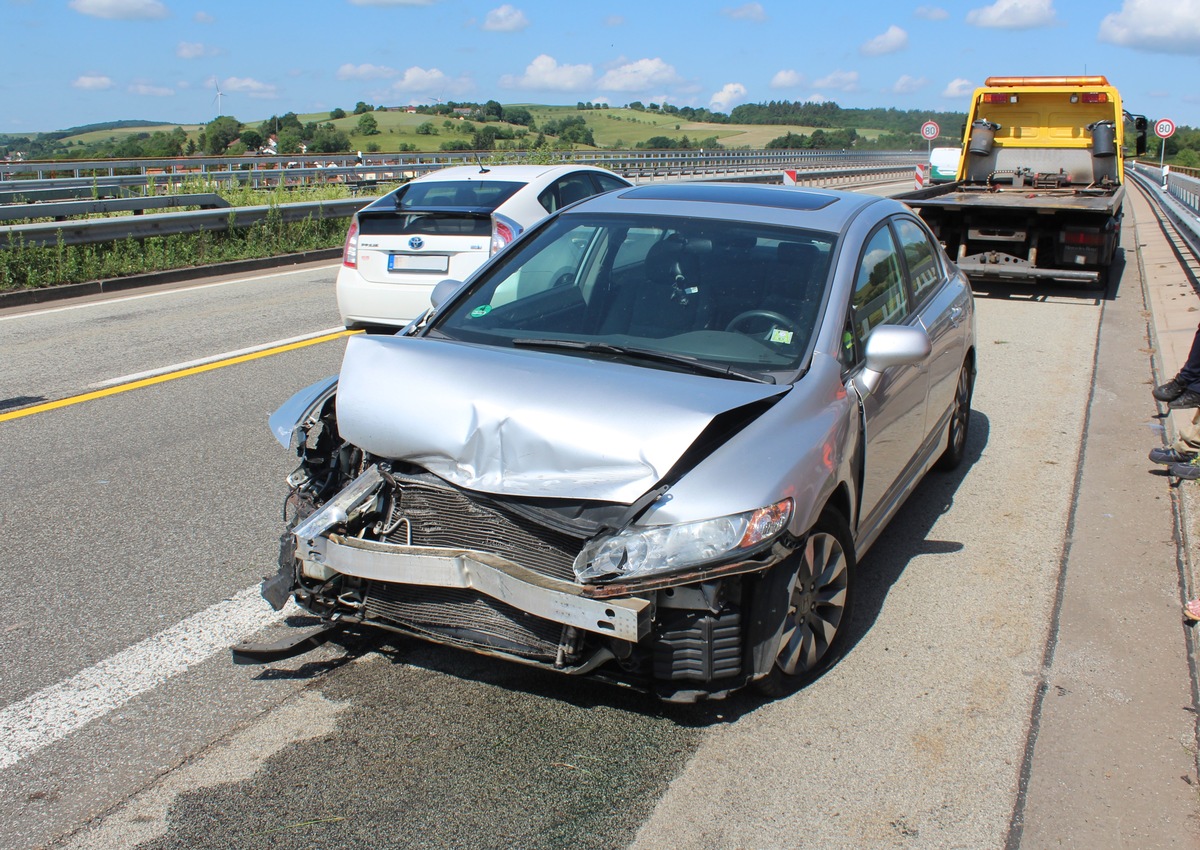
[169,376]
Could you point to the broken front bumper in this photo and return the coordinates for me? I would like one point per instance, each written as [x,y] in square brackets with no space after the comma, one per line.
[561,602]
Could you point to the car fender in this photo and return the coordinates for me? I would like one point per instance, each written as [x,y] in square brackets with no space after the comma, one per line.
[764,462]
[291,421]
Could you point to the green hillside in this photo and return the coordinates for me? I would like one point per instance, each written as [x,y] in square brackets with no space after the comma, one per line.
[610,128]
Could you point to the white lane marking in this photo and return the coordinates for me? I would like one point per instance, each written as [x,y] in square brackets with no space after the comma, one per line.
[214,358]
[55,712]
[175,291]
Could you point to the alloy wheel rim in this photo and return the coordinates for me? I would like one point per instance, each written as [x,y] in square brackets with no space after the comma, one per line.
[817,604]
[962,409]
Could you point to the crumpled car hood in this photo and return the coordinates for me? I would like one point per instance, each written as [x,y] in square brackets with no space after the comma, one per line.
[527,423]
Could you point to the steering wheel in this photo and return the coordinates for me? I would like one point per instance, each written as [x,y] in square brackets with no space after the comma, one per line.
[777,318]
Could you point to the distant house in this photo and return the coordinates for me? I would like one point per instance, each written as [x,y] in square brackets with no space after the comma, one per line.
[463,111]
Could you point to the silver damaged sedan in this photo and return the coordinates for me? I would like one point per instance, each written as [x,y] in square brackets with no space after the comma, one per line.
[649,441]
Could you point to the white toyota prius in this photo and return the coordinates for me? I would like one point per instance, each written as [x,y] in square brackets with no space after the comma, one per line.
[445,225]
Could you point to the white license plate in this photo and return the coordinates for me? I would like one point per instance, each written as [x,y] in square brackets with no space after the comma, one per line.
[418,262]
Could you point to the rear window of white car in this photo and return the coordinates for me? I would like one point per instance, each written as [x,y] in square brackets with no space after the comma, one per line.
[486,194]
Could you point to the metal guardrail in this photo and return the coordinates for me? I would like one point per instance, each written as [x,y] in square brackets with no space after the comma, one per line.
[163,224]
[29,181]
[813,168]
[1179,199]
[163,171]
[166,224]
[62,210]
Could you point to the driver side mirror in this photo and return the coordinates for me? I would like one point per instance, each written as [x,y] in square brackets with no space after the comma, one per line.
[888,346]
[443,291]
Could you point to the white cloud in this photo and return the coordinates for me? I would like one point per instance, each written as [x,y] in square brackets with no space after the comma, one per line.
[148,90]
[248,86]
[365,72]
[203,18]
[889,42]
[840,81]
[640,76]
[931,13]
[749,12]
[545,74]
[193,50]
[908,84]
[959,88]
[431,82]
[788,80]
[506,18]
[1154,26]
[93,82]
[614,21]
[121,10]
[1013,14]
[816,97]
[729,96]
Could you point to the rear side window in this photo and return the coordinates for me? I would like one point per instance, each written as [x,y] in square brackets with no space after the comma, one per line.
[924,270]
[880,296]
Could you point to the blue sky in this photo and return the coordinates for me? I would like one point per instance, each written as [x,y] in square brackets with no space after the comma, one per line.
[71,62]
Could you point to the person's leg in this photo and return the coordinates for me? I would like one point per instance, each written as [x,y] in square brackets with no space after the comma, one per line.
[1183,390]
[1189,375]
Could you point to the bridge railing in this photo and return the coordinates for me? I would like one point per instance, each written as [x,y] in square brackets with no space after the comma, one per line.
[747,166]
[1179,198]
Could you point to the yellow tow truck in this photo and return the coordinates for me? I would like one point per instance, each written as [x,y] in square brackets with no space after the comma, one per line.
[1040,183]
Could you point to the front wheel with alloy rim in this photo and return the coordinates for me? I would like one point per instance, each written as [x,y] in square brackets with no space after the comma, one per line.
[960,420]
[820,594]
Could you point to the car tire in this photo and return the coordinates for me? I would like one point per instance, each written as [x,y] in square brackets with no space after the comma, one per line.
[960,421]
[818,608]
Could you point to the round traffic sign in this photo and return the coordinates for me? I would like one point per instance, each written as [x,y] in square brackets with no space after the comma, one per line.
[1164,128]
[930,130]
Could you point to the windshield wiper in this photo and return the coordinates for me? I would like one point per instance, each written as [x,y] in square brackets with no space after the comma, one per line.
[693,364]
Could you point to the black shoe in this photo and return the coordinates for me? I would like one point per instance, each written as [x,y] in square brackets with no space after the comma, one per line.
[1186,471]
[1170,456]
[1169,391]
[1189,398]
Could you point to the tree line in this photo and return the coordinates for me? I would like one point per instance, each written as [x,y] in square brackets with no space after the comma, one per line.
[493,126]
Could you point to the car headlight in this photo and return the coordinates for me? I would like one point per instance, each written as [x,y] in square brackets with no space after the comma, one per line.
[663,548]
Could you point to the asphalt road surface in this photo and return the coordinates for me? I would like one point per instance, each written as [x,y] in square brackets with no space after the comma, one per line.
[139,521]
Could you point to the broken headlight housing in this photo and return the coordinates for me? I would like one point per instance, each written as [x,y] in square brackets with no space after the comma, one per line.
[664,548]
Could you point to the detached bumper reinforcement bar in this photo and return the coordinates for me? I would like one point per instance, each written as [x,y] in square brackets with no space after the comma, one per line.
[291,646]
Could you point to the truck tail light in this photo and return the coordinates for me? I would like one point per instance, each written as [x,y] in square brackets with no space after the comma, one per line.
[350,251]
[1082,237]
[1095,97]
[999,97]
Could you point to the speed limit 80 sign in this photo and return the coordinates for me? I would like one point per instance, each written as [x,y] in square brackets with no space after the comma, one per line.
[930,130]
[1164,128]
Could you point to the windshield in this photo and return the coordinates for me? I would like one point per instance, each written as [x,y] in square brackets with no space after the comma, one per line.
[736,294]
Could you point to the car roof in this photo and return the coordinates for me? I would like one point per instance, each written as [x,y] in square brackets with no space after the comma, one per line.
[511,173]
[827,210]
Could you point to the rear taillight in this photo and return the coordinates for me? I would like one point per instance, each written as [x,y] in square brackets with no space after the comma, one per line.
[1095,97]
[350,251]
[504,231]
[1082,237]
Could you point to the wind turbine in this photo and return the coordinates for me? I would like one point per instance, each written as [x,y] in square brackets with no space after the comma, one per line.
[217,99]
